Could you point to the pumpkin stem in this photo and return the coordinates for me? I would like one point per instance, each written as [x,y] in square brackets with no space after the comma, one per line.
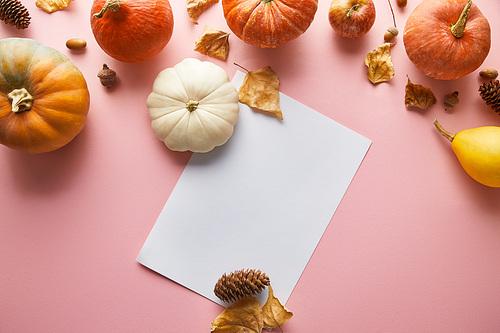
[192,105]
[21,100]
[111,5]
[352,9]
[450,136]
[458,28]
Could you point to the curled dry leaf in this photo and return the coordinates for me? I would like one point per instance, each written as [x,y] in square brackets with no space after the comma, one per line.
[379,62]
[260,89]
[418,96]
[196,7]
[275,314]
[213,42]
[52,5]
[244,316]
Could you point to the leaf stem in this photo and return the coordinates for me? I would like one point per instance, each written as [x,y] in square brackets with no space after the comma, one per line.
[241,67]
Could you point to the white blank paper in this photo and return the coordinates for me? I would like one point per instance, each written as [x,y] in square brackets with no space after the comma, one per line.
[262,200]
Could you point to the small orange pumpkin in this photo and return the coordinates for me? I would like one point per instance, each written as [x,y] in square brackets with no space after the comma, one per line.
[44,98]
[447,39]
[269,23]
[132,30]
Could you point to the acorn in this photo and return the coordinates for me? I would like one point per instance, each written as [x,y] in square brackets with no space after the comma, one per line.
[76,44]
[107,76]
[451,100]
[401,3]
[488,73]
[391,32]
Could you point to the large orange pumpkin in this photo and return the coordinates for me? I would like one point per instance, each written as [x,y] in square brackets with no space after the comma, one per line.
[132,30]
[269,23]
[447,39]
[44,98]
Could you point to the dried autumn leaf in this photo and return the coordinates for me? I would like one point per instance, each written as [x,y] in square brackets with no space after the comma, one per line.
[52,5]
[275,314]
[244,316]
[418,96]
[213,42]
[379,62]
[196,7]
[260,89]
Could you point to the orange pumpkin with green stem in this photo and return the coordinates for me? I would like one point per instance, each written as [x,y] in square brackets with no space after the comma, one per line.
[44,98]
[269,23]
[132,30]
[447,39]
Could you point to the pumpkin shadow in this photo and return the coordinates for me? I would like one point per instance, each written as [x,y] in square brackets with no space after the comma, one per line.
[48,172]
[179,158]
[142,74]
[12,32]
[484,196]
[349,46]
[280,58]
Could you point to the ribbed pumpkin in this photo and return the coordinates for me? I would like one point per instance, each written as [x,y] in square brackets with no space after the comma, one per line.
[44,98]
[269,23]
[193,106]
[132,30]
[447,39]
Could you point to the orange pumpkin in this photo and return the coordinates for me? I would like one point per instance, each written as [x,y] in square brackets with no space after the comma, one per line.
[44,98]
[447,39]
[132,30]
[269,23]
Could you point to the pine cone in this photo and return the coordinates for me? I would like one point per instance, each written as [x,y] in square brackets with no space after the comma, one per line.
[490,93]
[239,284]
[14,13]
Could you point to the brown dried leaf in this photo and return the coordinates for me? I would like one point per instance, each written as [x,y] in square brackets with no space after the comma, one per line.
[260,89]
[418,96]
[379,64]
[213,42]
[196,7]
[52,5]
[244,316]
[275,314]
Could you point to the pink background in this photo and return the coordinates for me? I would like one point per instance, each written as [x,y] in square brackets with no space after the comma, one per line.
[413,247]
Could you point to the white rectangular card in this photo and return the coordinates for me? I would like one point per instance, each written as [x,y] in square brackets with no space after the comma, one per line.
[262,200]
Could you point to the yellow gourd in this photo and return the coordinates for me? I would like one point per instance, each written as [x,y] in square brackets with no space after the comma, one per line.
[478,151]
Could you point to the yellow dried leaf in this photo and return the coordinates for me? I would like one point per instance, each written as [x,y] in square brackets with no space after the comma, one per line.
[244,316]
[52,5]
[379,62]
[418,96]
[196,7]
[275,314]
[260,89]
[213,42]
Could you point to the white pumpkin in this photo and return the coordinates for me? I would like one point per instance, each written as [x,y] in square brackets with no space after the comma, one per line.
[193,106]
